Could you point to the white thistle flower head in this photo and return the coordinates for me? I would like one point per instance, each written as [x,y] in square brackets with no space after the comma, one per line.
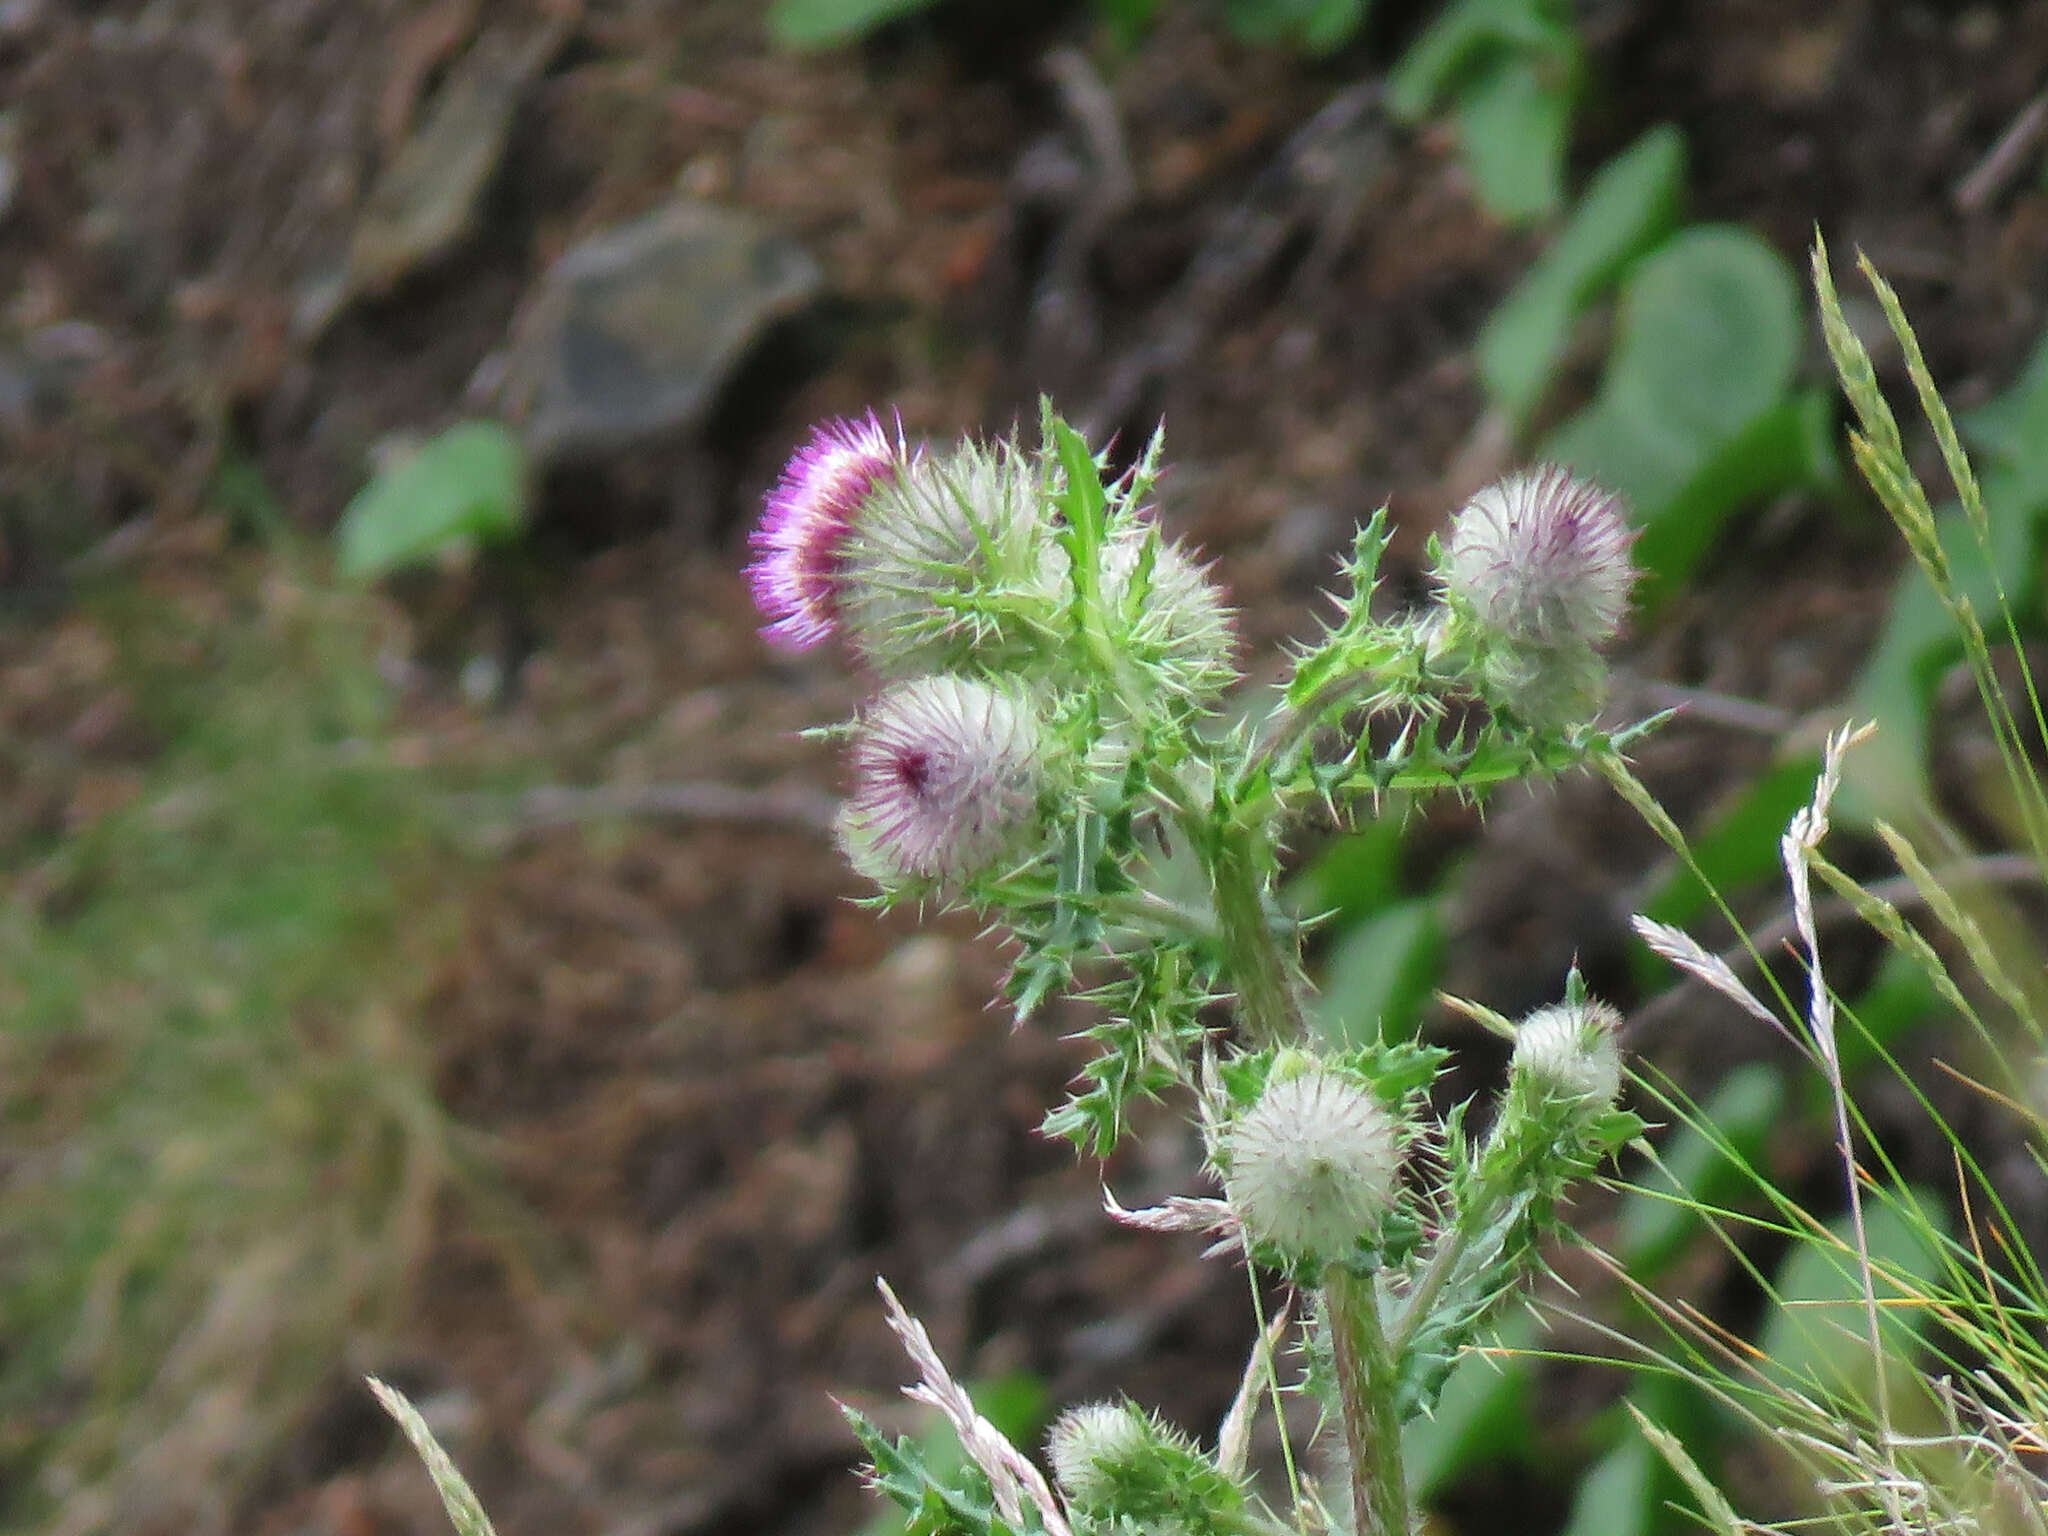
[934,551]
[1314,1165]
[946,776]
[1571,1051]
[801,541]
[1542,558]
[1089,1444]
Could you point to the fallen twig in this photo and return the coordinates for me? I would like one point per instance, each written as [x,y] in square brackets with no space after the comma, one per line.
[1989,176]
[511,819]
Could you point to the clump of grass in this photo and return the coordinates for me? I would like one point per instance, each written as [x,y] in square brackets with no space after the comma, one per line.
[223,1151]
[1911,1395]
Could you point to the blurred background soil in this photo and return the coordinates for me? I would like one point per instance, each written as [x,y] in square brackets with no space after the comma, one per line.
[710,1096]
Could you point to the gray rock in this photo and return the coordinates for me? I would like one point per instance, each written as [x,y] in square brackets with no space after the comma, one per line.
[425,203]
[635,330]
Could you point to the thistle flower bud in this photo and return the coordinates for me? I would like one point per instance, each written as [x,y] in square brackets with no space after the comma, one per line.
[1313,1165]
[938,556]
[1182,627]
[1571,1051]
[1090,1445]
[1545,685]
[800,543]
[1541,558]
[1126,1469]
[946,775]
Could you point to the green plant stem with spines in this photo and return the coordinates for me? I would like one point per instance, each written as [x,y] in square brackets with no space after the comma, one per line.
[1269,1002]
[1367,1369]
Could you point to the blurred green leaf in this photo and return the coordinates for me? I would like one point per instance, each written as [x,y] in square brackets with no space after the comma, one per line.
[1465,38]
[1900,997]
[1514,126]
[1887,776]
[1126,19]
[1378,976]
[1790,445]
[466,484]
[808,24]
[1693,419]
[1354,876]
[1630,205]
[1314,26]
[2013,428]
[241,493]
[1621,1494]
[1706,339]
[1657,1221]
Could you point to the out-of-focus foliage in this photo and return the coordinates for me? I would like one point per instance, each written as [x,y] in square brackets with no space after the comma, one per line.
[1314,26]
[1510,70]
[464,488]
[1809,1340]
[828,23]
[1630,206]
[225,1151]
[1696,415]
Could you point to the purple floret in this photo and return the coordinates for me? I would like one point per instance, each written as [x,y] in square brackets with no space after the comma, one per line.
[800,542]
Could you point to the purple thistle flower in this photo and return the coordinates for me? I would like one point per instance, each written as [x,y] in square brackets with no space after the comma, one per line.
[1543,558]
[800,543]
[946,773]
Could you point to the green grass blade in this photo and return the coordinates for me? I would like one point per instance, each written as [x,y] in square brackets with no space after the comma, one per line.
[465,1512]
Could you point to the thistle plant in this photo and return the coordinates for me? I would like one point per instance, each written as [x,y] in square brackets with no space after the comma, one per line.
[1052,744]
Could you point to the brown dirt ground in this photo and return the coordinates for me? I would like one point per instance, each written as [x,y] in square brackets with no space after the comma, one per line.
[730,1096]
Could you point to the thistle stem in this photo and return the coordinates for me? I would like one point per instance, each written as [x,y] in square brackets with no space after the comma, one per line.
[1482,1207]
[1268,998]
[1366,1381]
[1288,732]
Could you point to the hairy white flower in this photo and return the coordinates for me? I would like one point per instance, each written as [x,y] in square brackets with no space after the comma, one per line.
[1542,558]
[946,774]
[1572,1051]
[1181,623]
[1313,1166]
